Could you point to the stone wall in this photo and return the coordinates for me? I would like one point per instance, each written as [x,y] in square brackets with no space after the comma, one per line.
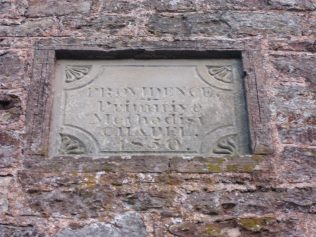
[142,197]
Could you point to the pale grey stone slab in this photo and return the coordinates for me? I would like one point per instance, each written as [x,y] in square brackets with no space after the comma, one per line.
[182,107]
[125,225]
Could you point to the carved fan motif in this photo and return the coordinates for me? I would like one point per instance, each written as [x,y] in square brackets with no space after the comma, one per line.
[221,73]
[76,72]
[71,145]
[226,145]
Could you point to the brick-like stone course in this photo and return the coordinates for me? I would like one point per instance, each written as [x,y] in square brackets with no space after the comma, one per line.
[260,195]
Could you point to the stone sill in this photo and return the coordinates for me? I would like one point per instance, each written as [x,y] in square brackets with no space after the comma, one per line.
[146,164]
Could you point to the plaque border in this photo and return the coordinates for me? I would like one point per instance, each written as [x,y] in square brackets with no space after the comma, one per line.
[47,51]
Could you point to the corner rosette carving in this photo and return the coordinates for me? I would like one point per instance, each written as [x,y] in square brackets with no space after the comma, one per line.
[76,72]
[71,145]
[226,145]
[221,73]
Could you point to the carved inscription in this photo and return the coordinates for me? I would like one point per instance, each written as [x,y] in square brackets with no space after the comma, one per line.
[71,145]
[191,107]
[76,72]
[221,73]
[149,118]
[226,145]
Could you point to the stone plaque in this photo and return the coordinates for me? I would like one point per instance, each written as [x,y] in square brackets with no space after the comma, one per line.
[130,107]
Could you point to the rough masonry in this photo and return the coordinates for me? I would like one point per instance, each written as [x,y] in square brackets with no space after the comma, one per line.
[262,195]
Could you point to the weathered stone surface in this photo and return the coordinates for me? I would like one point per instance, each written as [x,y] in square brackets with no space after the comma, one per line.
[12,74]
[137,164]
[184,25]
[227,24]
[265,23]
[292,4]
[6,43]
[259,203]
[312,20]
[205,5]
[83,200]
[105,24]
[298,164]
[124,225]
[296,114]
[173,6]
[215,165]
[182,107]
[308,45]
[269,195]
[13,8]
[297,67]
[4,188]
[305,135]
[10,108]
[143,201]
[33,27]
[91,194]
[121,6]
[9,152]
[294,105]
[244,226]
[48,8]
[18,231]
[231,4]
